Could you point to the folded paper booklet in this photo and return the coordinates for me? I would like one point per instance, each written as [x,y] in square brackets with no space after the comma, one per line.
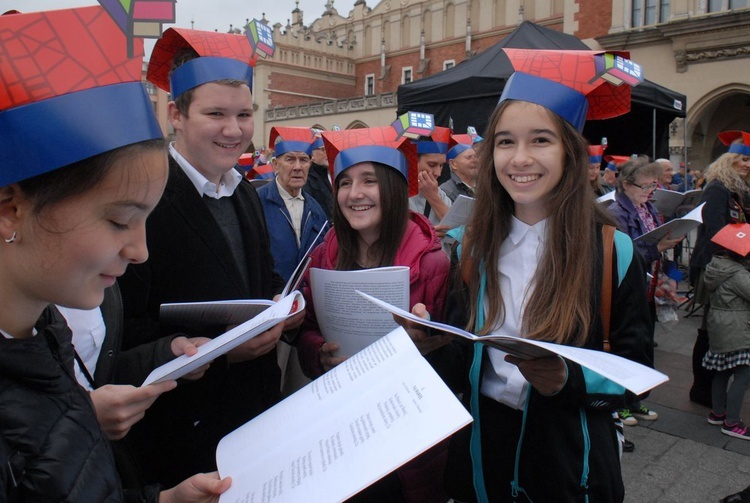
[459,212]
[344,431]
[629,374]
[669,202]
[217,312]
[272,315]
[235,311]
[346,318]
[675,228]
[606,199]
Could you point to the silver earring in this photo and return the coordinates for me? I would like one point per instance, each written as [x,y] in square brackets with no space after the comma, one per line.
[12,238]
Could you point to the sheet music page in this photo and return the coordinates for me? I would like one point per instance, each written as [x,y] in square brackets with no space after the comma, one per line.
[345,430]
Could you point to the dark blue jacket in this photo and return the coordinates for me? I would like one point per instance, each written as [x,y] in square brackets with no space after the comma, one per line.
[630,223]
[286,253]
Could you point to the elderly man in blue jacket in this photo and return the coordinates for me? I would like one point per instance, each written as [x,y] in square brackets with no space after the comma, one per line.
[293,217]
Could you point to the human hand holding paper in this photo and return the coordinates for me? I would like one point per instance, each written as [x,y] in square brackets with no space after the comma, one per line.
[546,375]
[259,345]
[189,346]
[425,342]
[119,407]
[267,326]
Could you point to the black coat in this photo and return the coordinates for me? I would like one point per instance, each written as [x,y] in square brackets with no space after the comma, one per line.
[722,208]
[320,189]
[51,447]
[190,260]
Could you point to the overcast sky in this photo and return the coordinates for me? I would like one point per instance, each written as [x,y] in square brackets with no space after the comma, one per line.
[209,14]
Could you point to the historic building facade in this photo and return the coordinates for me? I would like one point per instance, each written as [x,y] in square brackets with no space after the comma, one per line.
[344,69]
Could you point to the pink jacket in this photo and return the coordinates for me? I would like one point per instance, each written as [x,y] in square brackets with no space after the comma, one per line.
[428,280]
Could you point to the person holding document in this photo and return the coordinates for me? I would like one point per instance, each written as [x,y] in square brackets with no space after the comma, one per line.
[529,264]
[373,227]
[72,219]
[208,241]
[636,215]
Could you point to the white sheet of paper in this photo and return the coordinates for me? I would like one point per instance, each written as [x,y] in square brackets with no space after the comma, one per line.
[676,228]
[606,199]
[208,352]
[459,212]
[629,374]
[668,201]
[346,318]
[345,430]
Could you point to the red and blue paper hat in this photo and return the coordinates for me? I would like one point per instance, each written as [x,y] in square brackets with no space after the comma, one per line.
[346,148]
[576,85]
[615,160]
[291,139]
[69,91]
[735,238]
[728,138]
[596,154]
[223,56]
[436,143]
[459,144]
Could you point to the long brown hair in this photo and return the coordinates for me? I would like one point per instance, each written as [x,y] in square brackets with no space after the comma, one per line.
[394,205]
[559,308]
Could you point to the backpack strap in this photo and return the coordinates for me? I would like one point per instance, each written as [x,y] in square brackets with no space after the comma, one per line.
[612,239]
[605,308]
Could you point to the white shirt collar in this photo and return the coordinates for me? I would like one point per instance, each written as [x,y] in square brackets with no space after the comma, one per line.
[519,229]
[228,183]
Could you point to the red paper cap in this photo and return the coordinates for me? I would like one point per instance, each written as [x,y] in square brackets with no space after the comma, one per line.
[460,139]
[735,238]
[48,54]
[728,138]
[344,149]
[596,75]
[596,153]
[617,159]
[613,161]
[69,91]
[205,43]
[291,139]
[458,145]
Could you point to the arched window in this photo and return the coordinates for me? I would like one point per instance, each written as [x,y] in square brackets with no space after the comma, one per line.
[427,25]
[406,32]
[449,18]
[357,124]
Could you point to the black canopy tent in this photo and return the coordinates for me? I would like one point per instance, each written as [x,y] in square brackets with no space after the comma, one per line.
[468,93]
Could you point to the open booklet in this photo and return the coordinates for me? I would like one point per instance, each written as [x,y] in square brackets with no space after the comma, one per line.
[232,312]
[339,434]
[629,374]
[208,352]
[459,212]
[675,228]
[669,202]
[349,320]
[606,199]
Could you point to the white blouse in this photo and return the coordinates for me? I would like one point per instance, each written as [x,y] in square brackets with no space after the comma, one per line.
[519,256]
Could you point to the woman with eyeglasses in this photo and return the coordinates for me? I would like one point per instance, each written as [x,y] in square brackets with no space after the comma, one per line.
[636,215]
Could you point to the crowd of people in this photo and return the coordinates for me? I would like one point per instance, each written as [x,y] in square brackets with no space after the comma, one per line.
[97,236]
